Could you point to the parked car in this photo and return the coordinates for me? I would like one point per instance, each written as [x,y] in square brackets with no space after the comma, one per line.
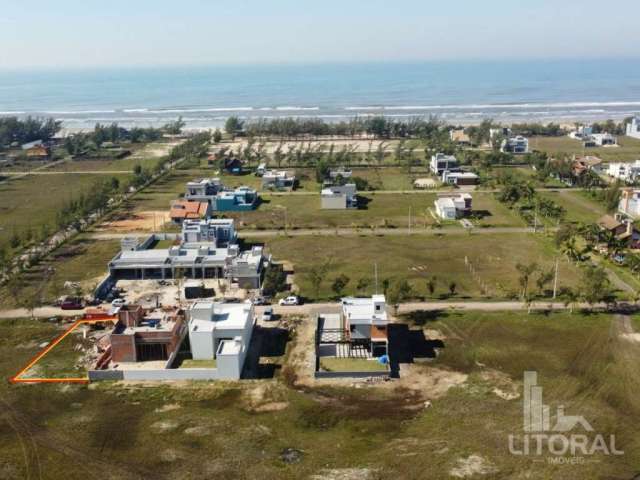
[289,301]
[260,301]
[267,315]
[72,304]
[118,302]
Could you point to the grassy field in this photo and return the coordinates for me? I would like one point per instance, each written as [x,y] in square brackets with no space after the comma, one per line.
[628,150]
[33,201]
[65,360]
[391,210]
[82,260]
[145,155]
[418,258]
[205,430]
[580,208]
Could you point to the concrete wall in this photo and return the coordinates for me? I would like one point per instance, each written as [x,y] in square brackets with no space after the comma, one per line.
[202,345]
[172,374]
[105,375]
[155,375]
[230,366]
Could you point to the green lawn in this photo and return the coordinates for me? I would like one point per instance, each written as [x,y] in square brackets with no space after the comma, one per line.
[190,363]
[417,258]
[333,364]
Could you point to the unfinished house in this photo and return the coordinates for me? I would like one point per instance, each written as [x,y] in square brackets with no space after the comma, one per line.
[209,343]
[221,332]
[144,336]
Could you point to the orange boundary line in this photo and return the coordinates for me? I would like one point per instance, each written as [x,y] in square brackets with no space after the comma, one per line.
[16,378]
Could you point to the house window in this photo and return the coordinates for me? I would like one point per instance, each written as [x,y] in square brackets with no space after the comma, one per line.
[352,328]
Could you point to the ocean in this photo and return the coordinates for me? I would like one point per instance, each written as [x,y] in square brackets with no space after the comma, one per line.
[457,92]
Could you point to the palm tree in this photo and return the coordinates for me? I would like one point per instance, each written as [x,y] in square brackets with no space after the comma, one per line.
[570,249]
[570,299]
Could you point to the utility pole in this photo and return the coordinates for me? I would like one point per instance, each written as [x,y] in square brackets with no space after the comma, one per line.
[555,281]
[375,275]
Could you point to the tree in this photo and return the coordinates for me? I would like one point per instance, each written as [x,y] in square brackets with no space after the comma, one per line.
[571,298]
[385,285]
[544,278]
[339,284]
[217,136]
[431,286]
[570,249]
[233,126]
[398,293]
[316,276]
[525,275]
[595,286]
[362,285]
[452,288]
[174,128]
[275,280]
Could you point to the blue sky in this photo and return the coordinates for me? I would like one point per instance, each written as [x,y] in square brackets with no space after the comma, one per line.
[161,32]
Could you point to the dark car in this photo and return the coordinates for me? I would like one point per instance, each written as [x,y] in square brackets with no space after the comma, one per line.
[72,304]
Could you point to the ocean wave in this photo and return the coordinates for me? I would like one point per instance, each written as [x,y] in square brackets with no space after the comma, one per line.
[491,106]
[77,112]
[200,110]
[13,113]
[297,109]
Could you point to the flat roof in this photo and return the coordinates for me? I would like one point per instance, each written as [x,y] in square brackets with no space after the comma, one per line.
[229,347]
[224,316]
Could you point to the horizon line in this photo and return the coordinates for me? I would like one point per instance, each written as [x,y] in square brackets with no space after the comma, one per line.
[319,63]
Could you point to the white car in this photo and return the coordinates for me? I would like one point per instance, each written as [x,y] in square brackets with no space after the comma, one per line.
[267,315]
[118,302]
[292,300]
